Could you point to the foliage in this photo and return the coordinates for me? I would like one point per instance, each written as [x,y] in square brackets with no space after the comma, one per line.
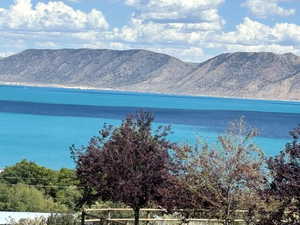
[224,174]
[57,185]
[30,173]
[284,186]
[66,190]
[24,198]
[135,166]
[127,164]
[68,196]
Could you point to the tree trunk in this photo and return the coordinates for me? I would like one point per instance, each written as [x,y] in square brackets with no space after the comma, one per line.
[136,216]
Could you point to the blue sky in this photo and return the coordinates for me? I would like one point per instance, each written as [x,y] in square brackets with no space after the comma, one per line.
[191,30]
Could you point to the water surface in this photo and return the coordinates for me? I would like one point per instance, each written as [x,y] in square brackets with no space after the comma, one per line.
[40,124]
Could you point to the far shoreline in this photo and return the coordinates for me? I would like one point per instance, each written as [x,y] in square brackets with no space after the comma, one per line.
[60,86]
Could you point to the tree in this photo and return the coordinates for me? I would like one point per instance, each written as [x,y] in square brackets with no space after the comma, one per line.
[283,186]
[130,164]
[30,173]
[65,190]
[59,185]
[24,198]
[223,174]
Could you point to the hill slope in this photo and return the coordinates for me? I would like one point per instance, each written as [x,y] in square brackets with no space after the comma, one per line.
[252,75]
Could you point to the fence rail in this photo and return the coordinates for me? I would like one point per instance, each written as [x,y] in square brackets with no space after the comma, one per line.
[104,216]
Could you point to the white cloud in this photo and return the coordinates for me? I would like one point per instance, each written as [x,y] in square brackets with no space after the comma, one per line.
[172,4]
[107,45]
[53,16]
[251,32]
[171,22]
[177,11]
[6,54]
[287,32]
[188,29]
[265,8]
[10,41]
[47,44]
[279,49]
[88,35]
[158,33]
[191,42]
[254,36]
[189,54]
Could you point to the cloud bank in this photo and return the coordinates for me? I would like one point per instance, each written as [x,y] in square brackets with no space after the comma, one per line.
[267,8]
[192,30]
[53,16]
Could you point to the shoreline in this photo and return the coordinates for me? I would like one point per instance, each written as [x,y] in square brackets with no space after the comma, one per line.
[21,84]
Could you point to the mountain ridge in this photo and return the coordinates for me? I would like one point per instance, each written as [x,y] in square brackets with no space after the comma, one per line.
[263,75]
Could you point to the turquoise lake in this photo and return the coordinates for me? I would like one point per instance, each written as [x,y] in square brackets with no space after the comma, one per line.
[39,124]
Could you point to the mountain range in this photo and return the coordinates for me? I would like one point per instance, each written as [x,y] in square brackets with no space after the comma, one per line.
[242,74]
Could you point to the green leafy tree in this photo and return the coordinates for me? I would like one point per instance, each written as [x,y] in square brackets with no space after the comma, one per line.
[60,185]
[68,196]
[4,196]
[24,198]
[26,172]
[66,191]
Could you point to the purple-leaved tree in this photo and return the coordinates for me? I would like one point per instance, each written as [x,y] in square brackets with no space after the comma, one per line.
[131,164]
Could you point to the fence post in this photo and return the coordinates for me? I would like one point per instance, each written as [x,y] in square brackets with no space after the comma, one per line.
[108,217]
[83,217]
[148,217]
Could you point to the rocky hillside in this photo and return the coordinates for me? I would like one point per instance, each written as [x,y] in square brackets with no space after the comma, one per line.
[252,75]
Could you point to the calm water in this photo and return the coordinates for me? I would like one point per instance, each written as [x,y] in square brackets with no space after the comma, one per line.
[40,124]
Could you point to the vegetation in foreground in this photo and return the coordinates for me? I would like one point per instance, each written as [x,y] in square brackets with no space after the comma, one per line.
[27,186]
[138,167]
[54,219]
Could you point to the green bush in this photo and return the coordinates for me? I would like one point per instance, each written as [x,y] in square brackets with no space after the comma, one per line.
[25,198]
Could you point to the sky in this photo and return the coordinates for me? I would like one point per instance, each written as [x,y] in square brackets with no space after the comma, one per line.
[191,30]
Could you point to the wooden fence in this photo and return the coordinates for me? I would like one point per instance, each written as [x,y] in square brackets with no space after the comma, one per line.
[124,216]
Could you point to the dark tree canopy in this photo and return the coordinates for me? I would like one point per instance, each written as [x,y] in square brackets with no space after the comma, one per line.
[285,170]
[129,164]
[284,187]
